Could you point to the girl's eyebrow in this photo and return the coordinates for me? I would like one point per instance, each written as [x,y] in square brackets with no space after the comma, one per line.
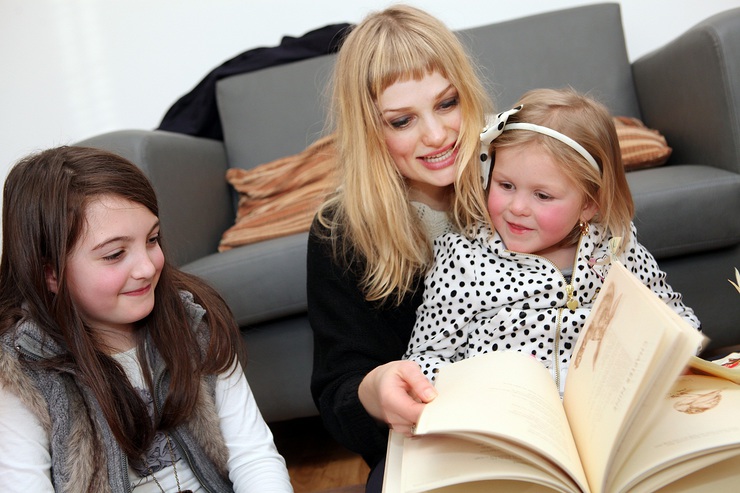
[123,239]
[115,239]
[407,108]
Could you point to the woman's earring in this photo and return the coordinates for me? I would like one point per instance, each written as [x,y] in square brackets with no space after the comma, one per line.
[584,227]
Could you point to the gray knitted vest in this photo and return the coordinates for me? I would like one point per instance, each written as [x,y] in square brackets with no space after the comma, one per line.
[84,453]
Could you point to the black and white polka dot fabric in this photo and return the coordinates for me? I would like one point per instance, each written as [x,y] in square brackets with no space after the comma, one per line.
[493,128]
[480,297]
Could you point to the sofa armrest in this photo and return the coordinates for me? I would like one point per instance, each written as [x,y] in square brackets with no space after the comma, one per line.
[195,201]
[690,90]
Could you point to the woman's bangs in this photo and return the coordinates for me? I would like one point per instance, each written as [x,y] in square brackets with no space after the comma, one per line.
[407,63]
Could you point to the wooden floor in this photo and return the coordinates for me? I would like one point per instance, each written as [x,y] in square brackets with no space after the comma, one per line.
[317,463]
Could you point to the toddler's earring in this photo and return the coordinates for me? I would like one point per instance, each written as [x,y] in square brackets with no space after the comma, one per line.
[584,227]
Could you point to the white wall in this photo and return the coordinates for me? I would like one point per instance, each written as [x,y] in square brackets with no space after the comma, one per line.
[70,69]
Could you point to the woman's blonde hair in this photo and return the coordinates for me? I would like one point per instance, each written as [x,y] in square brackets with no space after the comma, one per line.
[589,123]
[371,212]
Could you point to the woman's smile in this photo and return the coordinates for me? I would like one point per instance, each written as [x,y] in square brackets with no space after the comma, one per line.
[422,125]
[441,159]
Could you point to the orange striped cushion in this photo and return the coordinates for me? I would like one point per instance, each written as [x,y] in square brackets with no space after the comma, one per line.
[281,197]
[641,146]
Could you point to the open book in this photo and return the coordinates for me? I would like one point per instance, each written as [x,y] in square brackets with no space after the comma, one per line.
[629,420]
[727,367]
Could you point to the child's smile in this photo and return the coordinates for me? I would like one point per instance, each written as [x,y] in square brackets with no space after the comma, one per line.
[114,268]
[533,205]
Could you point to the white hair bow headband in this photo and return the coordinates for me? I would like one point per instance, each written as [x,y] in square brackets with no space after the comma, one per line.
[495,126]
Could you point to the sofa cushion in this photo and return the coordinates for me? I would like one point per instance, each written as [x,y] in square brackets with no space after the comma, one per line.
[260,282]
[280,198]
[641,147]
[676,208]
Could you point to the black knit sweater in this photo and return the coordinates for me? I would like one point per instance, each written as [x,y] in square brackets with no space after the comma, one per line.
[351,337]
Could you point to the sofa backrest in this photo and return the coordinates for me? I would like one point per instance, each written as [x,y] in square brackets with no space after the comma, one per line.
[582,47]
[274,112]
[278,111]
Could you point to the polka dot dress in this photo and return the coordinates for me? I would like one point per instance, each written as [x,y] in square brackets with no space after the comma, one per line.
[480,297]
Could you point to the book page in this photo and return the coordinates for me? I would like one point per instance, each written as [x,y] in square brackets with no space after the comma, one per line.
[630,352]
[509,396]
[719,477]
[464,467]
[436,462]
[727,368]
[697,426]
[392,482]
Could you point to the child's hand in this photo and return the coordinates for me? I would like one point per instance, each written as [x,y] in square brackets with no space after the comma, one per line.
[395,393]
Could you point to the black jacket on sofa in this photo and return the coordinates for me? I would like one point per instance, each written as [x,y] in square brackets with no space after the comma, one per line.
[196,113]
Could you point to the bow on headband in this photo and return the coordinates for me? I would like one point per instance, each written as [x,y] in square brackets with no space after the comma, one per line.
[496,126]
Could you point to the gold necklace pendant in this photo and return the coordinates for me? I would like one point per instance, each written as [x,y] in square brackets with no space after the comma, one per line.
[572,302]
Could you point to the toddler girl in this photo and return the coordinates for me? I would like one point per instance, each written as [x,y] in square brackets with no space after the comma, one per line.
[557,194]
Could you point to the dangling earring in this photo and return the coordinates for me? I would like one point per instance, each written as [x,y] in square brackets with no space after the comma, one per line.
[584,227]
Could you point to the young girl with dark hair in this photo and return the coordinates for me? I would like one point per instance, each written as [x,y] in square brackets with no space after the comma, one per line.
[118,372]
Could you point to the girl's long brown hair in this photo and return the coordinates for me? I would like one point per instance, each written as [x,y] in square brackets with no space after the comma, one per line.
[44,203]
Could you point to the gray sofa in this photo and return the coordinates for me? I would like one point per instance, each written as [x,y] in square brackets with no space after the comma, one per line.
[688,212]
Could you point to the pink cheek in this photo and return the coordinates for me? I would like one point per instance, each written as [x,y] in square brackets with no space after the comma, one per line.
[158,261]
[391,142]
[399,154]
[400,147]
[457,121]
[495,204]
[105,288]
[554,221]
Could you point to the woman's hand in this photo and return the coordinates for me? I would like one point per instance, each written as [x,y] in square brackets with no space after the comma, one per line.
[396,393]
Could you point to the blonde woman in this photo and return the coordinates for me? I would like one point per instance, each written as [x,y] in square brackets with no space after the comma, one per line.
[407,110]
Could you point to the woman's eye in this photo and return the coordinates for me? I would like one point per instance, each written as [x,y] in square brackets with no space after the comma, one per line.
[401,122]
[154,239]
[449,103]
[114,256]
